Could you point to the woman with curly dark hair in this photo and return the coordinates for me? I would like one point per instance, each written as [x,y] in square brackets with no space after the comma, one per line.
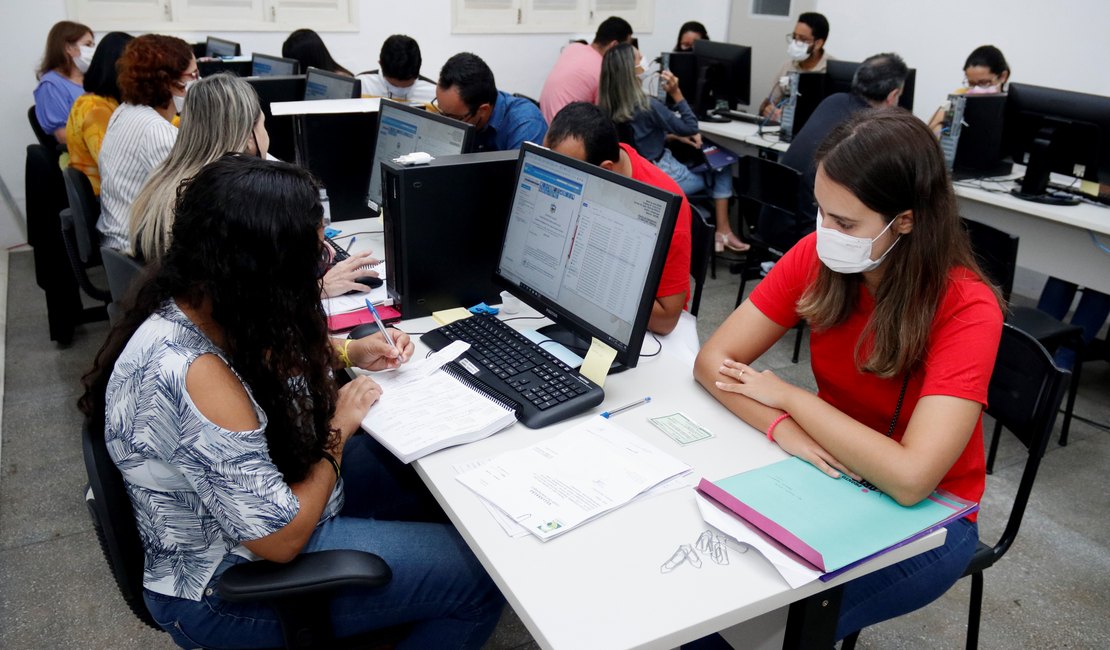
[219,406]
[153,75]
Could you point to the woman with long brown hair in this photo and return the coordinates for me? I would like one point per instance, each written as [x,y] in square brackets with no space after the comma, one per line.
[61,73]
[904,335]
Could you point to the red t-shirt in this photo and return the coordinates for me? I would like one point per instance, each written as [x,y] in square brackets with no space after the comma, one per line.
[958,361]
[676,270]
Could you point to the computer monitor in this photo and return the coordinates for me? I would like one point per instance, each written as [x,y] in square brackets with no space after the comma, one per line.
[405,129]
[724,76]
[218,47]
[321,84]
[1050,130]
[683,65]
[971,136]
[279,88]
[807,91]
[585,247]
[839,75]
[263,65]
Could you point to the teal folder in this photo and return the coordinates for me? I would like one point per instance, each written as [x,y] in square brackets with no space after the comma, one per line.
[833,524]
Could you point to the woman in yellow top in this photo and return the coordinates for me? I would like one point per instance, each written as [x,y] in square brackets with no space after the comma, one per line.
[88,119]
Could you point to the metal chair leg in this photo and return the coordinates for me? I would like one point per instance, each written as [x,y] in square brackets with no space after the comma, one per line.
[849,642]
[798,341]
[1073,389]
[975,610]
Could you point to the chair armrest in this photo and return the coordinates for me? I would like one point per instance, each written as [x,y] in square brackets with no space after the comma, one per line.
[309,573]
[66,218]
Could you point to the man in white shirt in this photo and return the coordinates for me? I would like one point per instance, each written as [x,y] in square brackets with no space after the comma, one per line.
[399,76]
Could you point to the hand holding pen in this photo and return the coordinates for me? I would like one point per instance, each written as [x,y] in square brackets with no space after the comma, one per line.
[384,352]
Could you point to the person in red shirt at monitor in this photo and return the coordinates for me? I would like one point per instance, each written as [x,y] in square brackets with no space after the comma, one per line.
[583,132]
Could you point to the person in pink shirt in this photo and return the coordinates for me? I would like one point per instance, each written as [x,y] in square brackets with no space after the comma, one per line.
[575,75]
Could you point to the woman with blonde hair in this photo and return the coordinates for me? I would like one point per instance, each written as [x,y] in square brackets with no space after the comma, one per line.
[221,115]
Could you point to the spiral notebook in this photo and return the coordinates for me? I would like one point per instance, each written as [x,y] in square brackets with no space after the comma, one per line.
[429,407]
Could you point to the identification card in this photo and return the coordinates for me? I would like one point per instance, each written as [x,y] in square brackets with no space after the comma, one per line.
[680,428]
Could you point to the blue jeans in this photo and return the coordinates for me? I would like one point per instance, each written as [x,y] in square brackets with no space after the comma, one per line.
[718,182]
[908,585]
[1090,313]
[438,586]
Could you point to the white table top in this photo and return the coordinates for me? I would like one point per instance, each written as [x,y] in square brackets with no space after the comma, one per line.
[600,586]
[997,193]
[326,106]
[744,132]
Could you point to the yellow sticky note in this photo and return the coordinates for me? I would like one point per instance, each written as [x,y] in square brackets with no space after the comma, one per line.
[1090,188]
[598,360]
[448,316]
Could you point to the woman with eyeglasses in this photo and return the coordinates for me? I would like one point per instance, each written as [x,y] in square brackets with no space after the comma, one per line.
[155,72]
[905,331]
[985,73]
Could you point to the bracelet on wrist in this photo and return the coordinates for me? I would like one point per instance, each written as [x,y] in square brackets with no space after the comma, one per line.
[775,423]
[343,357]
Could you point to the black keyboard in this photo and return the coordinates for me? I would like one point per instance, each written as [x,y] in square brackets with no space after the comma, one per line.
[750,118]
[542,389]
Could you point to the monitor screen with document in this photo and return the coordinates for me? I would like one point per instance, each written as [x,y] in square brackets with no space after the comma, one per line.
[320,84]
[405,129]
[263,65]
[585,247]
[219,47]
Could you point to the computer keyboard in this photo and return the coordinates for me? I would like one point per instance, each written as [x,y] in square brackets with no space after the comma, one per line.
[543,389]
[750,118]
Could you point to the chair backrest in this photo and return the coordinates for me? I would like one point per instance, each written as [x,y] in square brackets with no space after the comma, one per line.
[86,211]
[702,231]
[1025,392]
[121,269]
[534,101]
[996,251]
[625,134]
[769,183]
[114,520]
[45,139]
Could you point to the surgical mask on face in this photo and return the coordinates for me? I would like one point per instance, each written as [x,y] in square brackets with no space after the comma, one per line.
[844,253]
[84,60]
[797,50]
[179,100]
[984,90]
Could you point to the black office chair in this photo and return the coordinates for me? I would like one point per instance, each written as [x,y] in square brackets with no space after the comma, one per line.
[522,96]
[1025,392]
[996,251]
[46,198]
[79,233]
[702,232]
[299,591]
[122,271]
[774,188]
[45,139]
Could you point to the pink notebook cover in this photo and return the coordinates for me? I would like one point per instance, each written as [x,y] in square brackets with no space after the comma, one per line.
[343,322]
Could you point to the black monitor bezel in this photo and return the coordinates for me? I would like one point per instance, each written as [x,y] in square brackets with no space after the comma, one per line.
[731,55]
[627,354]
[213,39]
[356,85]
[1027,102]
[469,135]
[294,62]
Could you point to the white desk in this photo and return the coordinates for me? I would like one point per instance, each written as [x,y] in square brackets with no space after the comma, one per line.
[600,586]
[743,137]
[1055,239]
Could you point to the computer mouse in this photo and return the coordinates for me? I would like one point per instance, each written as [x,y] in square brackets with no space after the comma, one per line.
[362,331]
[370,280]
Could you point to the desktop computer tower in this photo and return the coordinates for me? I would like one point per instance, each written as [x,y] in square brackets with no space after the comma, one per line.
[336,148]
[807,90]
[971,136]
[443,226]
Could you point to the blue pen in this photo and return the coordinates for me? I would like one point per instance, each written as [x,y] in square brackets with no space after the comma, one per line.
[609,414]
[381,326]
[351,244]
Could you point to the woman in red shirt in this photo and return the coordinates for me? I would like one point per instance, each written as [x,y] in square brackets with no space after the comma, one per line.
[904,335]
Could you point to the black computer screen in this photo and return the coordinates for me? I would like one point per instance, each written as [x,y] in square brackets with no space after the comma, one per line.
[724,75]
[405,129]
[264,65]
[218,47]
[1061,131]
[320,84]
[586,247]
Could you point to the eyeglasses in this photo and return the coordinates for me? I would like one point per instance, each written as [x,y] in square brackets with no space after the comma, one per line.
[461,118]
[796,37]
[981,83]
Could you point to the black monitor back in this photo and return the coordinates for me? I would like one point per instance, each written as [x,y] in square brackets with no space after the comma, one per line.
[279,88]
[216,66]
[971,136]
[724,74]
[444,223]
[1072,130]
[684,65]
[334,147]
[807,90]
[839,80]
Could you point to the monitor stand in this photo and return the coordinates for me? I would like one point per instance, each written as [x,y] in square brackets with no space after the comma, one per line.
[575,343]
[1034,187]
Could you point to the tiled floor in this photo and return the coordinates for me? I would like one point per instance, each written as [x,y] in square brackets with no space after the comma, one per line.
[1052,589]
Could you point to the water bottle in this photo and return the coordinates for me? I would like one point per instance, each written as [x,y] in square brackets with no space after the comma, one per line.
[327,207]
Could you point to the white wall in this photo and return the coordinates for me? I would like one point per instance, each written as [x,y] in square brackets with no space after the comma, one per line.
[520,62]
[1060,44]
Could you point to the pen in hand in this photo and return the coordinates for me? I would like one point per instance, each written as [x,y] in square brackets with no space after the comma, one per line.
[381,326]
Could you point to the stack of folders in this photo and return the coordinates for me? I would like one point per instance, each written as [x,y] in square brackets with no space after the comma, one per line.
[829,524]
[425,407]
[569,479]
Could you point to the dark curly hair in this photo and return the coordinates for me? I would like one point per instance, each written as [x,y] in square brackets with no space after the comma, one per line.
[245,239]
[149,65]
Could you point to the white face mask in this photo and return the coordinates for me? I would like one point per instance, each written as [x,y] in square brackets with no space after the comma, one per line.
[797,51]
[984,90]
[179,100]
[84,60]
[847,254]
